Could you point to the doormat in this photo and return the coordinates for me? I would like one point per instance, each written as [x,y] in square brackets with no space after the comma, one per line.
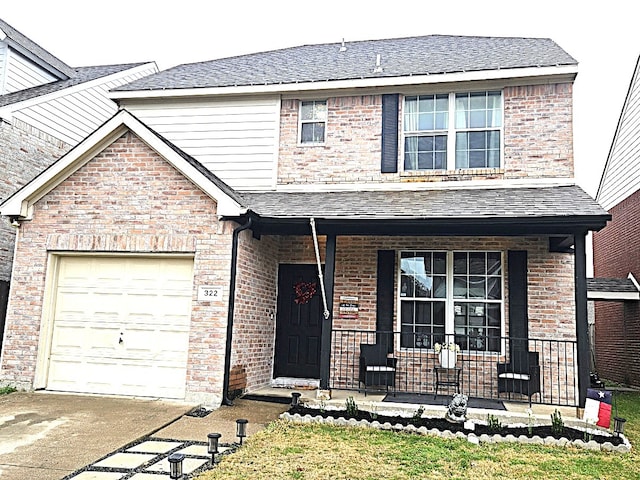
[267,398]
[444,400]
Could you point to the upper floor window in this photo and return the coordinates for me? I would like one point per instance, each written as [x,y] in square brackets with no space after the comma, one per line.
[313,121]
[433,141]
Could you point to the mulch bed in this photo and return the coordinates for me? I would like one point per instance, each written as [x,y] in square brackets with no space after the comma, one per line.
[442,424]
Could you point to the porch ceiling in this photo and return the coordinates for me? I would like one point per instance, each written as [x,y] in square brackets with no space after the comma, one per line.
[555,211]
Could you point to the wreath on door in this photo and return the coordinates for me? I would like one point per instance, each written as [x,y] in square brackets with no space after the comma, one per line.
[304,291]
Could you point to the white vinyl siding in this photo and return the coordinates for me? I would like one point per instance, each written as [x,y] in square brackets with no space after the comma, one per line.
[622,172]
[3,63]
[22,73]
[72,116]
[236,139]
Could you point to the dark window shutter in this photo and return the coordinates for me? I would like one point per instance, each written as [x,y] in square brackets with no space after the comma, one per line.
[518,302]
[385,296]
[389,163]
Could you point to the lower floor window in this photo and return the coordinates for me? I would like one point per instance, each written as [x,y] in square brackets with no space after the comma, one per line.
[451,296]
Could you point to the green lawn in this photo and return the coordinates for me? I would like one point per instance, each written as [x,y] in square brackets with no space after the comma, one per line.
[309,452]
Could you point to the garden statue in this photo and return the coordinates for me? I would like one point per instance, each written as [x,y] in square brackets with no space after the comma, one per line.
[457,411]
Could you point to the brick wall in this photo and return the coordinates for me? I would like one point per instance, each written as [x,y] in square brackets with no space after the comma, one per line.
[538,125]
[616,253]
[126,200]
[538,141]
[255,311]
[24,152]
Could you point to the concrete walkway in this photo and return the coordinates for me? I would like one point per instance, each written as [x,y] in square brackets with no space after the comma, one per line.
[49,436]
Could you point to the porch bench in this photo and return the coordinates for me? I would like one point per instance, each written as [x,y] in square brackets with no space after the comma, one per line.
[376,368]
[520,375]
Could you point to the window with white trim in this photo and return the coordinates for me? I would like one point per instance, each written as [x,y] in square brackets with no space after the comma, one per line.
[312,126]
[451,293]
[431,141]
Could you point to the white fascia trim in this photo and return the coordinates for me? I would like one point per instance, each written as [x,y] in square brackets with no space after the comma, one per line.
[6,112]
[415,186]
[20,50]
[620,296]
[634,281]
[21,203]
[570,70]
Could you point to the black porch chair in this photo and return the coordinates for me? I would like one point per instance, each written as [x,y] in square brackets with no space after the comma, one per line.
[376,367]
[520,375]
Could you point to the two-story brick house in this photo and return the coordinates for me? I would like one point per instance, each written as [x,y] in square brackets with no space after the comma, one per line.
[46,107]
[176,251]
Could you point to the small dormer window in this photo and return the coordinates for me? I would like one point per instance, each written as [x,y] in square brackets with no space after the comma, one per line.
[313,122]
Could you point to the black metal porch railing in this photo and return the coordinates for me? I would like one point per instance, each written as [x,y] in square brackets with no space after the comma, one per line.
[504,368]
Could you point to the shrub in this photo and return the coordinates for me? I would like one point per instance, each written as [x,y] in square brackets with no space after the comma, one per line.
[7,390]
[351,406]
[557,425]
[494,423]
[417,415]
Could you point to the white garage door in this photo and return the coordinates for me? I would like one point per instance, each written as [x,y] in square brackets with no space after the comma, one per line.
[121,326]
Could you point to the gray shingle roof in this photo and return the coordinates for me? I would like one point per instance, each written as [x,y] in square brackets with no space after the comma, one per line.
[81,75]
[31,46]
[611,285]
[399,57]
[477,203]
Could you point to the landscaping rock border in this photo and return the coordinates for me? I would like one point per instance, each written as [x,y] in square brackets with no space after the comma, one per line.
[624,447]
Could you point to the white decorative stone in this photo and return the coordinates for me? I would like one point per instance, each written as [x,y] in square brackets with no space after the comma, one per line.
[473,439]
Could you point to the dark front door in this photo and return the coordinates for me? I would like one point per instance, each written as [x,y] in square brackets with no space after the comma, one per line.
[298,323]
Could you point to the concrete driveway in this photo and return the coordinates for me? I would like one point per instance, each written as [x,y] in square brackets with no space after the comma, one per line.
[49,436]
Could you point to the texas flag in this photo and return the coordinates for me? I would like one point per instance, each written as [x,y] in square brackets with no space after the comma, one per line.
[598,406]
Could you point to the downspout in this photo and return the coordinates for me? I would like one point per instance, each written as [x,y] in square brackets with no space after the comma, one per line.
[232,300]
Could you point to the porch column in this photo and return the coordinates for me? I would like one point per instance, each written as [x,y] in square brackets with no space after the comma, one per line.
[582,324]
[327,323]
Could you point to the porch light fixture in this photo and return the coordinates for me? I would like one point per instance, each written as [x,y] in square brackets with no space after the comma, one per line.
[241,428]
[212,447]
[618,425]
[295,399]
[175,465]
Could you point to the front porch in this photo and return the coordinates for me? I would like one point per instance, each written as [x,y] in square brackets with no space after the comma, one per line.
[337,270]
[513,412]
[486,368]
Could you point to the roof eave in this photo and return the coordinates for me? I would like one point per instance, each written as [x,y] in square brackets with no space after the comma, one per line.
[547,74]
[395,226]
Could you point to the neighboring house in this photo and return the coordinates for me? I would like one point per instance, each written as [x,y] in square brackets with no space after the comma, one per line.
[173,252]
[616,251]
[46,107]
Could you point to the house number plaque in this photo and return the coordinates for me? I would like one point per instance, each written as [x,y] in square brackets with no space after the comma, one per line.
[208,293]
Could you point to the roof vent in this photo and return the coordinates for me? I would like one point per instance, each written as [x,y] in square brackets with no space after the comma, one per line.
[378,68]
[343,47]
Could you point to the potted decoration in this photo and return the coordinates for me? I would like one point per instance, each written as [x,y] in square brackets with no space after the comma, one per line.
[448,353]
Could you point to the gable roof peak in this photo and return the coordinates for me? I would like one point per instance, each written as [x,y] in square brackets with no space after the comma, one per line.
[35,52]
